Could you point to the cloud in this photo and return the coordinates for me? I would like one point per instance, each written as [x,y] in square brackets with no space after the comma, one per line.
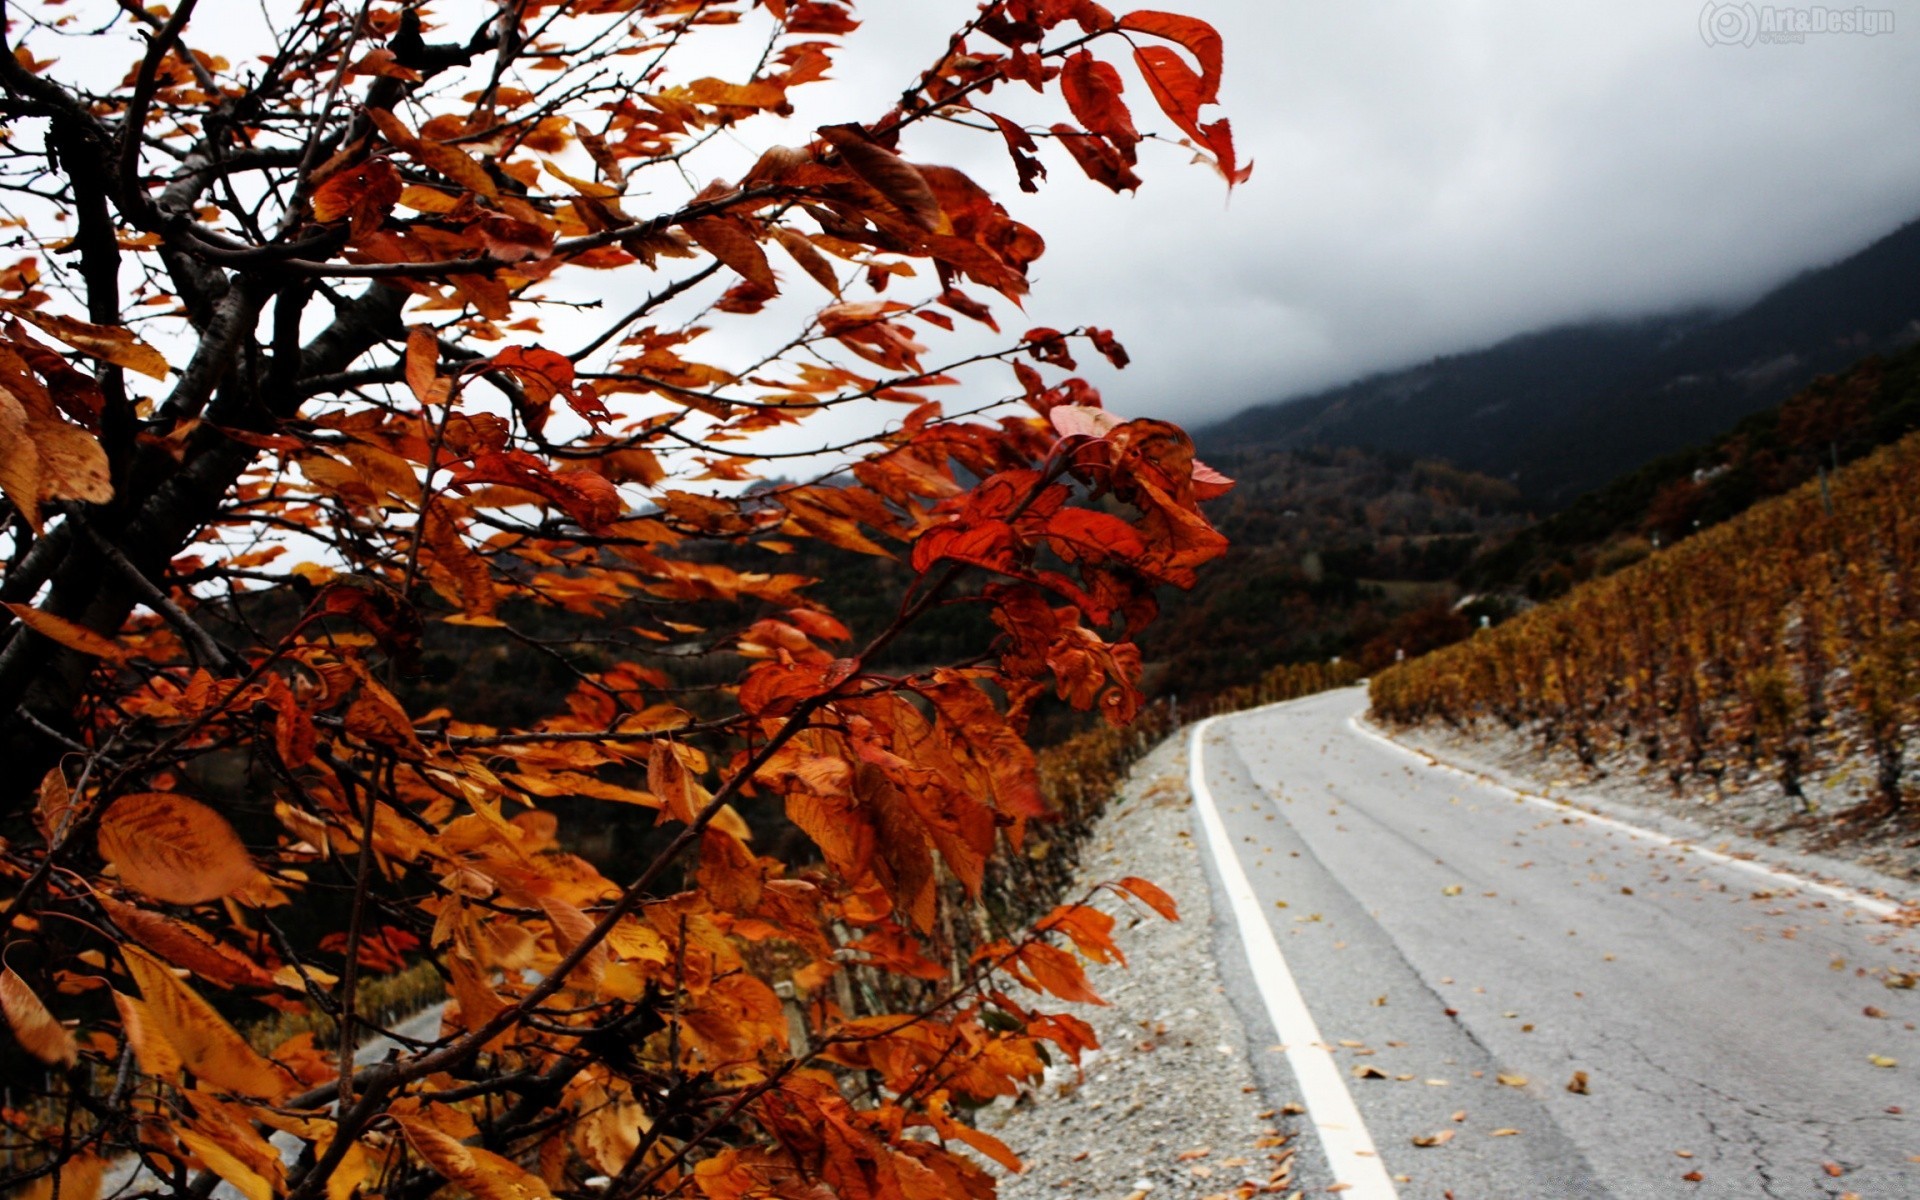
[1436,177]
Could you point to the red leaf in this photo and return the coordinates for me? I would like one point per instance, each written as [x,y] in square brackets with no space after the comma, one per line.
[1092,89]
[1097,158]
[889,174]
[1201,40]
[1174,86]
[586,497]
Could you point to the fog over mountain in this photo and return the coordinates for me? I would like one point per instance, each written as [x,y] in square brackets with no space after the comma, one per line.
[1434,178]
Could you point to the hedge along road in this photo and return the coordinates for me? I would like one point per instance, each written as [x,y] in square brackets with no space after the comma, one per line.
[1522,1000]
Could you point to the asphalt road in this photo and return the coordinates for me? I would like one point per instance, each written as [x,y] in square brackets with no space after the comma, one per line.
[1465,953]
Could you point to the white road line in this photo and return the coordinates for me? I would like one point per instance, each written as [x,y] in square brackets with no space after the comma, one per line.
[1343,1135]
[1767,871]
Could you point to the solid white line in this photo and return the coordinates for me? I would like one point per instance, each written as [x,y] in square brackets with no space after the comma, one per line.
[1343,1135]
[1767,871]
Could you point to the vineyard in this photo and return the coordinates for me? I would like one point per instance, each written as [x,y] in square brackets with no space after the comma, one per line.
[1778,648]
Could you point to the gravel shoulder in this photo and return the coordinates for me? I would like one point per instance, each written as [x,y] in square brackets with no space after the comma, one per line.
[1177,1102]
[1751,819]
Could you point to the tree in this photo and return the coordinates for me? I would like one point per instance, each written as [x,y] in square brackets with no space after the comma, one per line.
[304,386]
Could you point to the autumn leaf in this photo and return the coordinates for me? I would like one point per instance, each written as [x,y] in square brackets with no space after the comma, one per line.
[887,173]
[174,848]
[732,241]
[1151,895]
[109,343]
[33,1026]
[482,1173]
[1196,36]
[67,633]
[362,196]
[200,1036]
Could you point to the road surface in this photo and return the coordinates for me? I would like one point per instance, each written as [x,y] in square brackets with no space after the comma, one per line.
[1471,959]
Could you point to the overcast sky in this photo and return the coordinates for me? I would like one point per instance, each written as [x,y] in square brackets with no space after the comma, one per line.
[1433,177]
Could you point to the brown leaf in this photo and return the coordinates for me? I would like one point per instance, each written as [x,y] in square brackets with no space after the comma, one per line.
[110,343]
[174,848]
[1433,1139]
[185,947]
[887,173]
[35,1028]
[67,633]
[51,814]
[731,240]
[1578,1084]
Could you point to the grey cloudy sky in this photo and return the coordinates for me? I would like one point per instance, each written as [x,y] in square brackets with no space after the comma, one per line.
[1430,177]
[1436,176]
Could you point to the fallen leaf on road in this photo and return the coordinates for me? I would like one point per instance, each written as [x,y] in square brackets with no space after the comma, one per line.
[1433,1139]
[1512,1080]
[1503,1133]
[1452,889]
[1683,1153]
[1190,1155]
[1833,1169]
[1578,1084]
[1368,1071]
[1881,1060]
[1877,1014]
[1693,1177]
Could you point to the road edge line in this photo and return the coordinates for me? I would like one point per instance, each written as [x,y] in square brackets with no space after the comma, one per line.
[1349,1148]
[1756,867]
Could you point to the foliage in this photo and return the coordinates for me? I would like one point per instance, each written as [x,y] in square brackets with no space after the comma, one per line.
[1787,640]
[1331,551]
[306,390]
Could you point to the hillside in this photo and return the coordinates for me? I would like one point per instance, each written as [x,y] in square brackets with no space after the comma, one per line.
[1565,410]
[1344,552]
[1833,421]
[1778,650]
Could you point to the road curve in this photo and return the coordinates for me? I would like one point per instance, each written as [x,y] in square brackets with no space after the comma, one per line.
[1468,955]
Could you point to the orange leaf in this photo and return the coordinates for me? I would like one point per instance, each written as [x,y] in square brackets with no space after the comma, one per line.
[207,1045]
[174,848]
[79,1178]
[67,633]
[44,1038]
[482,1173]
[1150,895]
[151,1050]
[111,343]
[422,366]
[1097,158]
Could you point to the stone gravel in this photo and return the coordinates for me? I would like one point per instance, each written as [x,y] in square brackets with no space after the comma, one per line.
[1171,1104]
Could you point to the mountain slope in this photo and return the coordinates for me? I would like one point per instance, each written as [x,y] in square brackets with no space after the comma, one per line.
[1564,410]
